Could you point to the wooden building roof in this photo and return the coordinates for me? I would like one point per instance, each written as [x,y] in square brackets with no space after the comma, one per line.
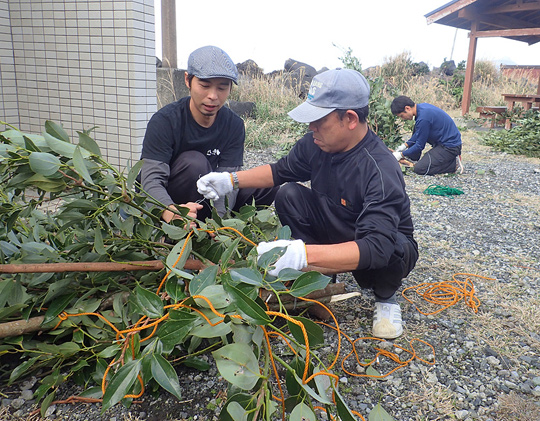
[513,19]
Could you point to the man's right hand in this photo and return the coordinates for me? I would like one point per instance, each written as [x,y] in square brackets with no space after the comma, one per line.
[215,185]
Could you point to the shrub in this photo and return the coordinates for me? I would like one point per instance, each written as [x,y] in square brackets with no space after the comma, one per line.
[381,120]
[522,139]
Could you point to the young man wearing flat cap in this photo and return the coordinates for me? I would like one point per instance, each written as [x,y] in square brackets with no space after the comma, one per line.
[196,135]
[356,215]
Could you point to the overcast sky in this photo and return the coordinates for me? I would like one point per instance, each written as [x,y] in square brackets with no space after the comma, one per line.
[317,33]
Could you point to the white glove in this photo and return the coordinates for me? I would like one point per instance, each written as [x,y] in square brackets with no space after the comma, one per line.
[397,155]
[294,258]
[215,185]
[401,147]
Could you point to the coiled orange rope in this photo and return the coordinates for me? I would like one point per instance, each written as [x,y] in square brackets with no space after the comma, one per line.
[446,293]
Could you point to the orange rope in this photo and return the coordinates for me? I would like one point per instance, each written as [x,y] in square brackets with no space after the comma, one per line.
[447,293]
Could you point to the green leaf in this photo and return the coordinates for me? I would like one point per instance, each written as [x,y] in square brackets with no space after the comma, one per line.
[8,311]
[379,414]
[284,233]
[228,253]
[247,276]
[314,331]
[89,144]
[163,372]
[133,173]
[80,165]
[370,371]
[324,385]
[289,274]
[302,412]
[345,414]
[216,295]
[174,232]
[57,306]
[22,369]
[172,333]
[245,400]
[203,279]
[44,163]
[307,283]
[320,398]
[56,130]
[41,182]
[7,248]
[175,289]
[99,246]
[270,257]
[46,403]
[61,147]
[206,330]
[120,384]
[248,308]
[238,365]
[237,412]
[197,363]
[92,392]
[177,260]
[148,302]
[110,351]
[183,315]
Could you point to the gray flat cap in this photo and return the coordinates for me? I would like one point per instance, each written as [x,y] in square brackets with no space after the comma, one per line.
[211,62]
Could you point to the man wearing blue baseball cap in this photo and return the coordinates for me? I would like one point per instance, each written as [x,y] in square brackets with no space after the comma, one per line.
[196,135]
[356,215]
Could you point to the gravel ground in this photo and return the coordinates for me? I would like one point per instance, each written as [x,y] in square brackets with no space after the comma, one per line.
[486,364]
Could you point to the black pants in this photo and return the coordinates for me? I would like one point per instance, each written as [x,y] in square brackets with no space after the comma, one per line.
[297,209]
[189,167]
[438,160]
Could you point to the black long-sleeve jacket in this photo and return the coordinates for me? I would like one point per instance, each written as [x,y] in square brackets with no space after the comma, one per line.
[362,192]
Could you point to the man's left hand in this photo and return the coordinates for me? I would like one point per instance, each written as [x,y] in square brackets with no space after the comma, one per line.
[295,256]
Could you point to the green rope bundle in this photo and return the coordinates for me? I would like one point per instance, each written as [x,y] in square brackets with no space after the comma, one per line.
[437,190]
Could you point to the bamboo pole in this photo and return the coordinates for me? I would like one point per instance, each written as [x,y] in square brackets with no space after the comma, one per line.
[152,265]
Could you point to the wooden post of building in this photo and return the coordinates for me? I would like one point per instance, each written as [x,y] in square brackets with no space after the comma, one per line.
[467,86]
[168,33]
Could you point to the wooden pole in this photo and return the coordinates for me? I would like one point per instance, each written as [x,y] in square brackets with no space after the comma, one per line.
[191,264]
[168,34]
[469,71]
[20,327]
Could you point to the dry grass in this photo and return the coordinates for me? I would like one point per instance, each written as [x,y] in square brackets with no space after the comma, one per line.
[433,401]
[513,407]
[429,89]
[273,99]
[500,332]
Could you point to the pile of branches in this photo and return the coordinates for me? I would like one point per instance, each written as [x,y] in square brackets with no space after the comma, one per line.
[177,293]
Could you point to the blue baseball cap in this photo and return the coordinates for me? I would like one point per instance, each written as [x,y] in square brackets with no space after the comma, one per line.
[211,62]
[337,89]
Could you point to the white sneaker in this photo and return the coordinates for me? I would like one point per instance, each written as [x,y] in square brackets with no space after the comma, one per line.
[387,321]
